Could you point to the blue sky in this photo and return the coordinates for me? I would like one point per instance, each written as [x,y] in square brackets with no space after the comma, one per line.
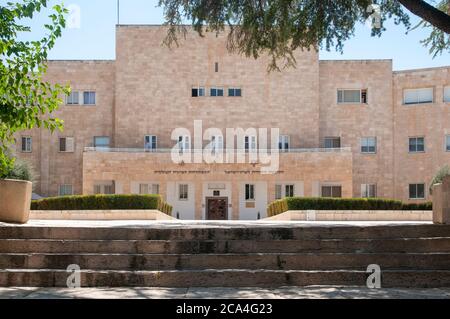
[95,39]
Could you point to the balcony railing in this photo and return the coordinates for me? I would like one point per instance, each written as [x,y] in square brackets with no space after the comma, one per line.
[223,151]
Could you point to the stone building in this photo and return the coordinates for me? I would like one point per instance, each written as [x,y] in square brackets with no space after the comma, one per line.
[346,128]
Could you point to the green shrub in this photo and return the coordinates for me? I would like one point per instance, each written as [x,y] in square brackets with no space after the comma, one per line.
[439,177]
[102,202]
[309,203]
[21,170]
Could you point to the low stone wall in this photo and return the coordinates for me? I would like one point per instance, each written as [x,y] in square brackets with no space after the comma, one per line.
[353,215]
[99,215]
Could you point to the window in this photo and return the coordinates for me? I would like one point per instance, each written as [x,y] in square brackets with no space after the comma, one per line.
[101,141]
[369,145]
[183,191]
[416,191]
[150,143]
[73,98]
[250,144]
[184,143]
[89,98]
[216,67]
[216,92]
[368,190]
[352,96]
[145,189]
[332,191]
[332,142]
[198,91]
[447,143]
[289,190]
[65,190]
[216,143]
[447,94]
[283,143]
[234,92]
[278,192]
[66,144]
[416,144]
[249,192]
[27,143]
[418,96]
[106,189]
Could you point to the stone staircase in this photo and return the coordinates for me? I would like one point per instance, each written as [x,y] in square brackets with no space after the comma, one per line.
[209,256]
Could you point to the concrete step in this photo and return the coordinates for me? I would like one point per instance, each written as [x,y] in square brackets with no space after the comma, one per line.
[227,233]
[416,245]
[277,261]
[224,278]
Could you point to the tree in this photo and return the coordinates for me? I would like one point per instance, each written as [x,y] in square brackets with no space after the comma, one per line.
[26,100]
[278,27]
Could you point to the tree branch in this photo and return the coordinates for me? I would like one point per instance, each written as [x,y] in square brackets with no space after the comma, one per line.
[427,12]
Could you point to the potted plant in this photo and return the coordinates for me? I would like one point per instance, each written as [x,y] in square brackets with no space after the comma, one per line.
[15,193]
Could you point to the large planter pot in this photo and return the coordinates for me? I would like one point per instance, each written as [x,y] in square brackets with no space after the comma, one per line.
[441,202]
[15,201]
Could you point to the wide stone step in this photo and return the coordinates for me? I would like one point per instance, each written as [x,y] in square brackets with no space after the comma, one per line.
[223,278]
[417,245]
[227,233]
[319,261]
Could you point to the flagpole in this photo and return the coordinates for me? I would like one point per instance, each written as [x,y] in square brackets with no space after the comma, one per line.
[118,11]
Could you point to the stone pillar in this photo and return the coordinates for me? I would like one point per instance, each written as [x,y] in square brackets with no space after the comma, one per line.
[235,200]
[441,202]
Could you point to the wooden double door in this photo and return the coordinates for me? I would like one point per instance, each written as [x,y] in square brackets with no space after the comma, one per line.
[217,208]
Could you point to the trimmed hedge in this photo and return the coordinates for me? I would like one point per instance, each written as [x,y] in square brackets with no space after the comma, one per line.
[309,203]
[102,202]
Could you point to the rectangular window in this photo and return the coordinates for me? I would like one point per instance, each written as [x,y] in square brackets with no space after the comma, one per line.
[447,94]
[250,144]
[284,143]
[216,67]
[332,191]
[418,96]
[184,143]
[278,192]
[216,143]
[27,143]
[352,96]
[368,190]
[447,143]
[65,190]
[101,141]
[216,92]
[332,142]
[289,190]
[106,189]
[183,191]
[73,98]
[145,189]
[150,143]
[416,191]
[416,144]
[234,92]
[66,144]
[198,91]
[249,192]
[89,98]
[369,145]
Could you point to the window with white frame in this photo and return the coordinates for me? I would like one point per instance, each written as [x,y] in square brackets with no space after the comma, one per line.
[234,92]
[278,191]
[101,141]
[332,142]
[216,91]
[216,143]
[352,96]
[89,98]
[250,143]
[447,143]
[284,143]
[249,192]
[332,191]
[416,144]
[145,189]
[150,143]
[447,94]
[104,188]
[184,143]
[66,144]
[416,191]
[27,143]
[368,190]
[73,98]
[198,91]
[284,190]
[183,191]
[65,190]
[418,96]
[369,145]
